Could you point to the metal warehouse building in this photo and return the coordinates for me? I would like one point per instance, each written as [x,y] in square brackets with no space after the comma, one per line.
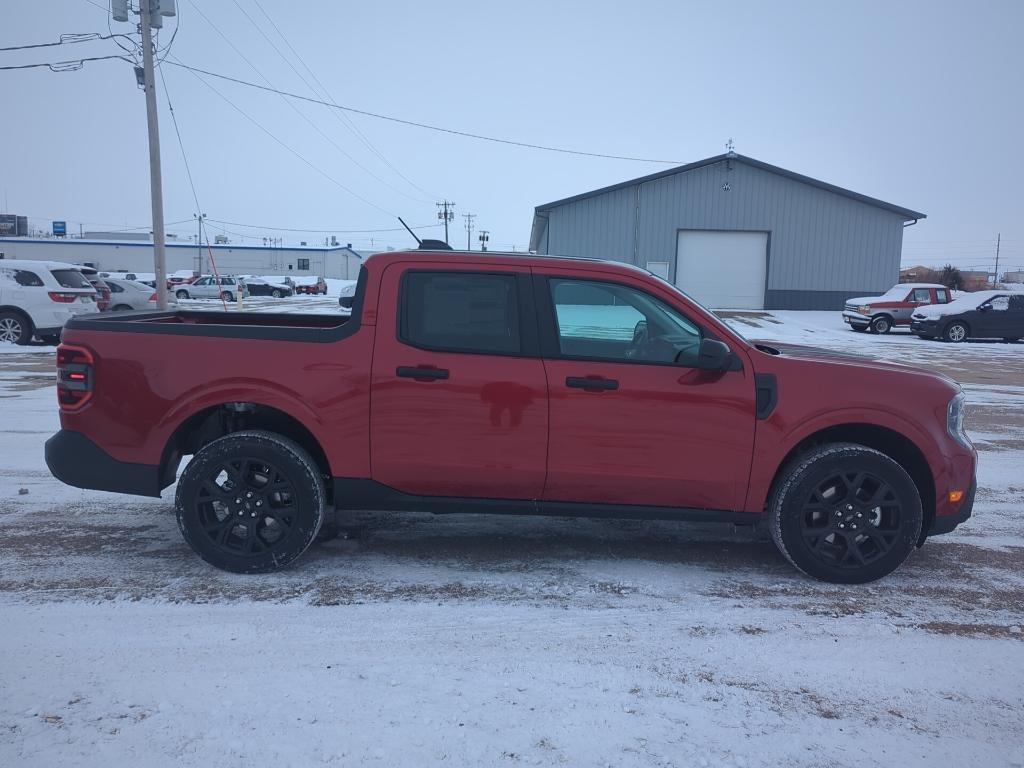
[231,259]
[736,233]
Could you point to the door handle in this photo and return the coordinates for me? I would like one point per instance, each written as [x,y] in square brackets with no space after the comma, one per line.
[591,382]
[421,374]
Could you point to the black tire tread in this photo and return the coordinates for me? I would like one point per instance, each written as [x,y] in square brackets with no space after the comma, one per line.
[296,452]
[793,473]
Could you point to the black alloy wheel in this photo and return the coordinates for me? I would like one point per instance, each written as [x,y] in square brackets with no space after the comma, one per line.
[250,502]
[845,513]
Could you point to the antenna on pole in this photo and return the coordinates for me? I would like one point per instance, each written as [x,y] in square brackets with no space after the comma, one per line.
[418,241]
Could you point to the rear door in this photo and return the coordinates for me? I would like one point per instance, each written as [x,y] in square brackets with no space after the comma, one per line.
[459,402]
[632,421]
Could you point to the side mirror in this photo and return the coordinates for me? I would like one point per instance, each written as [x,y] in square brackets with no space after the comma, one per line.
[714,355]
[984,307]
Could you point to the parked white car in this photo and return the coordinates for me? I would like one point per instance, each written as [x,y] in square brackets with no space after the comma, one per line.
[210,287]
[128,294]
[38,297]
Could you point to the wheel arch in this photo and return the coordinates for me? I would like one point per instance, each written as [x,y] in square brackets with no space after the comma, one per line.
[214,421]
[893,444]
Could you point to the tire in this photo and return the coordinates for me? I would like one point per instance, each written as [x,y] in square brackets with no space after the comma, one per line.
[858,328]
[53,339]
[881,324]
[15,328]
[227,296]
[181,294]
[275,293]
[817,504]
[956,332]
[228,480]
[121,308]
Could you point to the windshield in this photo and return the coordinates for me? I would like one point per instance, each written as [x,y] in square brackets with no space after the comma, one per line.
[70,278]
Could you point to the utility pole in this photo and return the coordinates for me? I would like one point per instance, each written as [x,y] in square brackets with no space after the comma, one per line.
[199,242]
[469,229]
[151,13]
[446,214]
[484,238]
[995,277]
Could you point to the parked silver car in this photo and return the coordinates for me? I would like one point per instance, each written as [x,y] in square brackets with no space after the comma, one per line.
[210,287]
[128,294]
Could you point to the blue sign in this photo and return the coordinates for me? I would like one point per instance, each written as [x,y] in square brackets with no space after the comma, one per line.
[60,228]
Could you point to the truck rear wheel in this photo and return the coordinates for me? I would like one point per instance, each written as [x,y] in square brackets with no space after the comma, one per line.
[250,502]
[845,513]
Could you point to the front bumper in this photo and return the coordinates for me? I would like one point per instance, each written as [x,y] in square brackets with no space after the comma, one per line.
[924,327]
[76,460]
[946,523]
[855,318]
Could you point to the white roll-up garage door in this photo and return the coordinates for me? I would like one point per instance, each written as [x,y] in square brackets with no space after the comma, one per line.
[723,270]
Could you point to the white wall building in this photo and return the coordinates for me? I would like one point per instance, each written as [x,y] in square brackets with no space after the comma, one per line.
[231,259]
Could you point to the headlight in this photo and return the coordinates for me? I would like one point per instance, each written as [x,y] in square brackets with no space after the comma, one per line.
[864,309]
[955,421]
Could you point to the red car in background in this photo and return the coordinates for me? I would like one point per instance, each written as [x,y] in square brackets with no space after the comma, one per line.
[103,291]
[880,314]
[314,286]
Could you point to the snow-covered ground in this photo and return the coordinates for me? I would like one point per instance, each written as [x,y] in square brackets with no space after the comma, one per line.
[466,640]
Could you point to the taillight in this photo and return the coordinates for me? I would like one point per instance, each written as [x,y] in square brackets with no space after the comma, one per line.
[74,376]
[64,298]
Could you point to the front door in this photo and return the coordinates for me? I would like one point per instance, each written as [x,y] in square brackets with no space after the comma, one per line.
[459,403]
[995,320]
[632,421]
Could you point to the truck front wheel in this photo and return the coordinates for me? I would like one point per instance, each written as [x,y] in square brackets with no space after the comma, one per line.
[845,513]
[250,502]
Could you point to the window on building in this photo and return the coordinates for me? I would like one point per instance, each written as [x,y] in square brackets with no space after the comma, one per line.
[460,312]
[304,264]
[611,321]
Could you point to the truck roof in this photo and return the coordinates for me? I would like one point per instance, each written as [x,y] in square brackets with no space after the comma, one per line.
[499,257]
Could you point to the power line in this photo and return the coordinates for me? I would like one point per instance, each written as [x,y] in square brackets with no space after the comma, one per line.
[340,116]
[181,144]
[66,66]
[316,168]
[295,109]
[68,38]
[426,126]
[329,231]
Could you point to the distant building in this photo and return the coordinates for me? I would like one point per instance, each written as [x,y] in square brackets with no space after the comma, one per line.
[129,255]
[735,232]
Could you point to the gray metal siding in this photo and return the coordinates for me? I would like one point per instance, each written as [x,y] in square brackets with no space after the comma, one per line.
[600,227]
[820,241]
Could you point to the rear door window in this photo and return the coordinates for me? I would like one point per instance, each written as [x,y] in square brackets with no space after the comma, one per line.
[70,278]
[460,312]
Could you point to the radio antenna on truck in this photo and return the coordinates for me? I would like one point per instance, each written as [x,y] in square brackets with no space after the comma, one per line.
[426,245]
[418,241]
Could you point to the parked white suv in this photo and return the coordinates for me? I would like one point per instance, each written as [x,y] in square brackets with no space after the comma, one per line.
[38,297]
[210,287]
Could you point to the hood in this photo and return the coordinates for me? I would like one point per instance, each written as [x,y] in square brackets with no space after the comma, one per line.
[817,354]
[858,300]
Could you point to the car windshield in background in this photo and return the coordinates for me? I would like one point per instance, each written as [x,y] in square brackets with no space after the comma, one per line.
[70,278]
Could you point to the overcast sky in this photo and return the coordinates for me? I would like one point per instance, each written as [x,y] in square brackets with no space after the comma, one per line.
[916,103]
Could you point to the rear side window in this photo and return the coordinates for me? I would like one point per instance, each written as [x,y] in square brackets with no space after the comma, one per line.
[460,312]
[115,288]
[24,278]
[941,296]
[70,278]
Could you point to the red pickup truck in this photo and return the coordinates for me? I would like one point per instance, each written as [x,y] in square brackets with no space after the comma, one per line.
[504,383]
